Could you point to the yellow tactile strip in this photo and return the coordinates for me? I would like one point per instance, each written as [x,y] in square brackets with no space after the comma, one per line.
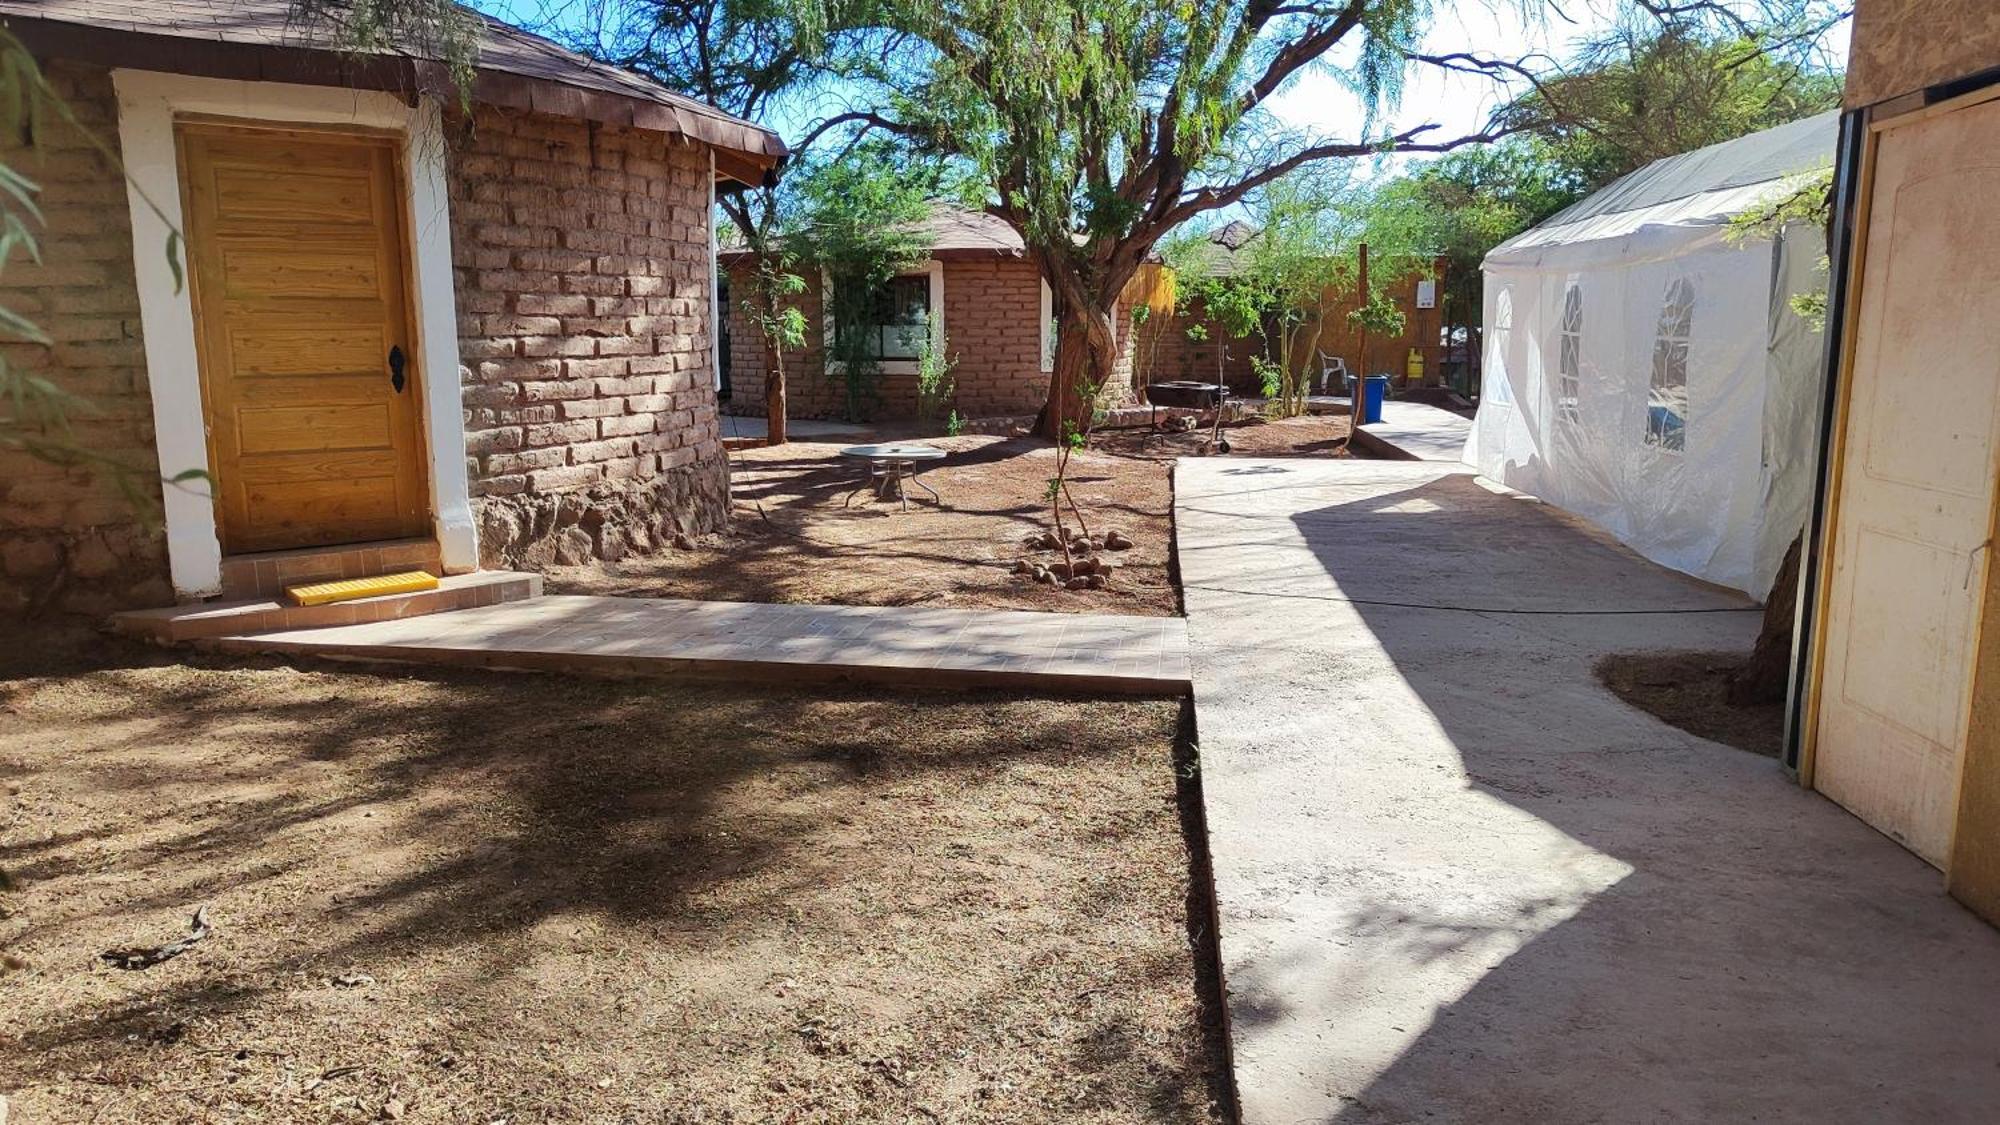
[348,589]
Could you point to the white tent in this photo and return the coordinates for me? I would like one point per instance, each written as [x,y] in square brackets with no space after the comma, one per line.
[1647,372]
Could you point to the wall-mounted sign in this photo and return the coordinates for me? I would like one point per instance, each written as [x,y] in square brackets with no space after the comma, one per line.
[1427,294]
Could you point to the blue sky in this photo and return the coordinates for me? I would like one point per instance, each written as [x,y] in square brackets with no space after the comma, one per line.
[1317,103]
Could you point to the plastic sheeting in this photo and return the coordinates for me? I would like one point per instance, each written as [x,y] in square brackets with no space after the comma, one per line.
[1647,373]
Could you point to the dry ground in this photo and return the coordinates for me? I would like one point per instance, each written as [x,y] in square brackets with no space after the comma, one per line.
[1690,690]
[475,897]
[792,541]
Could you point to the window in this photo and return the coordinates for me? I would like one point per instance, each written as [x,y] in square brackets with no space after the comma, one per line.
[1667,400]
[898,322]
[1569,364]
[1494,383]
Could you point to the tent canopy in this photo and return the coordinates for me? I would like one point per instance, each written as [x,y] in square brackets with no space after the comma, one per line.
[1645,369]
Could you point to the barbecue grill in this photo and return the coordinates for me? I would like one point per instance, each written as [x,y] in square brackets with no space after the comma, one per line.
[1189,394]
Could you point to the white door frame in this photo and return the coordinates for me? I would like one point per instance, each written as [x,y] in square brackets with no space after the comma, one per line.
[148,102]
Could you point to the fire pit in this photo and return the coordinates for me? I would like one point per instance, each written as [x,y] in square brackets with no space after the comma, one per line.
[1187,394]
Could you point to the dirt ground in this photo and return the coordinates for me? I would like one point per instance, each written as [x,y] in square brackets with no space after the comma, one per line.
[481,897]
[1689,690]
[791,540]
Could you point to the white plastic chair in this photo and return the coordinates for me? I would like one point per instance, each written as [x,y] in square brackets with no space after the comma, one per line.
[1329,366]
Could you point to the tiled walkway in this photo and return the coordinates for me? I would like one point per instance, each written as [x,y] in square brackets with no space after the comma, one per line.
[789,643]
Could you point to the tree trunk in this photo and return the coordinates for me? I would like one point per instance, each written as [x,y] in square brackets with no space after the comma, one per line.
[1766,675]
[774,393]
[1086,359]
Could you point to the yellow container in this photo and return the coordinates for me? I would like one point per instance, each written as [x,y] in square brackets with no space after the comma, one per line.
[1415,368]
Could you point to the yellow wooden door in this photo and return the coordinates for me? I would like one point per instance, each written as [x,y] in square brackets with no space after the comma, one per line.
[296,254]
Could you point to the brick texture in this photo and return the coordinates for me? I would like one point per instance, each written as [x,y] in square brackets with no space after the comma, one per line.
[992,311]
[581,257]
[69,539]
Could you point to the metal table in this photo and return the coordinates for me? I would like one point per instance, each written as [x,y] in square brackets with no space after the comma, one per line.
[889,465]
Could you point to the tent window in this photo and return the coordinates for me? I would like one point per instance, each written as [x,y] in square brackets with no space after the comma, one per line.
[1666,402]
[1502,338]
[1569,364]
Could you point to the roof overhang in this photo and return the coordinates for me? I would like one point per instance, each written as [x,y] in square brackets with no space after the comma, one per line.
[744,152]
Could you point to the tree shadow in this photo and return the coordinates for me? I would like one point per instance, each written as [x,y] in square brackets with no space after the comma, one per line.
[1524,900]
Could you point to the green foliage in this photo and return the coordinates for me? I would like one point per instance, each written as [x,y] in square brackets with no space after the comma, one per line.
[1646,92]
[1380,315]
[935,385]
[1810,204]
[1278,285]
[855,218]
[442,29]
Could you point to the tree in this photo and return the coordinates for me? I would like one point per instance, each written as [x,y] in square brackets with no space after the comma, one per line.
[853,219]
[1281,282]
[1099,126]
[1643,93]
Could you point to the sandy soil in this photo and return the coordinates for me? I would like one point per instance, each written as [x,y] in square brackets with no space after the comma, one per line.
[792,541]
[468,898]
[1689,690]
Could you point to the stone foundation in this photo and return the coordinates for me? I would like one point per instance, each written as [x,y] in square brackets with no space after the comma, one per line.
[605,522]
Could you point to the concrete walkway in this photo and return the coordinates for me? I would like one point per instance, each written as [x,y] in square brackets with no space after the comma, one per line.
[781,643]
[1460,882]
[1412,431]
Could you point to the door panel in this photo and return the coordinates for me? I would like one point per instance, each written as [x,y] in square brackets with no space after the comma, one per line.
[1911,546]
[296,254]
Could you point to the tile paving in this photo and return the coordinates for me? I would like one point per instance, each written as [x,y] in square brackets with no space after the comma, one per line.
[747,640]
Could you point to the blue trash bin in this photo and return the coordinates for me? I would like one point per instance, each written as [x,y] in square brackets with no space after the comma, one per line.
[1378,392]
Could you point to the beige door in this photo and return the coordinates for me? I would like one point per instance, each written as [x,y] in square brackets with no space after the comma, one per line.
[1911,543]
[296,255]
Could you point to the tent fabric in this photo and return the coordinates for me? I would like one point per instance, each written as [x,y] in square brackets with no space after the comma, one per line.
[1646,370]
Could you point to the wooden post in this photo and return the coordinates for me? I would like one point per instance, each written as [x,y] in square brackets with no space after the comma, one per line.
[1361,361]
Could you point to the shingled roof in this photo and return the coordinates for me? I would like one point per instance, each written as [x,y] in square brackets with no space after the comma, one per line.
[258,40]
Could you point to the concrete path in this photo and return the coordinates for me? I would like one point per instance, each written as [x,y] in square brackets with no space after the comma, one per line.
[785,643]
[1413,431]
[1460,882]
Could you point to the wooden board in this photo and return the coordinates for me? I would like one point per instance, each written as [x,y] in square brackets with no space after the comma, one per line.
[1911,542]
[298,272]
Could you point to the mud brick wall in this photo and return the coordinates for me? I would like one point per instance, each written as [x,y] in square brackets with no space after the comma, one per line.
[69,539]
[1900,46]
[992,311]
[581,255]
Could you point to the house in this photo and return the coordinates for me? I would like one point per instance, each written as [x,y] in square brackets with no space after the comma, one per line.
[466,332]
[1328,330]
[973,289]
[1896,672]
[1644,366]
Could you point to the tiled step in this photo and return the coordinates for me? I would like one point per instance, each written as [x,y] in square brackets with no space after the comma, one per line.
[263,615]
[266,574]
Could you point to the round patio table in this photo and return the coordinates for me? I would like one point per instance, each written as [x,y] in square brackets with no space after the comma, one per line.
[889,465]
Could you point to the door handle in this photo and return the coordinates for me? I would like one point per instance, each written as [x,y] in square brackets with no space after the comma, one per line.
[396,368]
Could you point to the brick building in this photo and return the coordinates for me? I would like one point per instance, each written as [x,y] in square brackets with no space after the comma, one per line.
[985,304]
[482,331]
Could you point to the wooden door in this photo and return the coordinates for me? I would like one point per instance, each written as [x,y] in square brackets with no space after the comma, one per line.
[296,255]
[1913,519]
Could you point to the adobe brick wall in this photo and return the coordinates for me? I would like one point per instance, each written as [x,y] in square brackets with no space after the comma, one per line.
[68,538]
[992,322]
[581,255]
